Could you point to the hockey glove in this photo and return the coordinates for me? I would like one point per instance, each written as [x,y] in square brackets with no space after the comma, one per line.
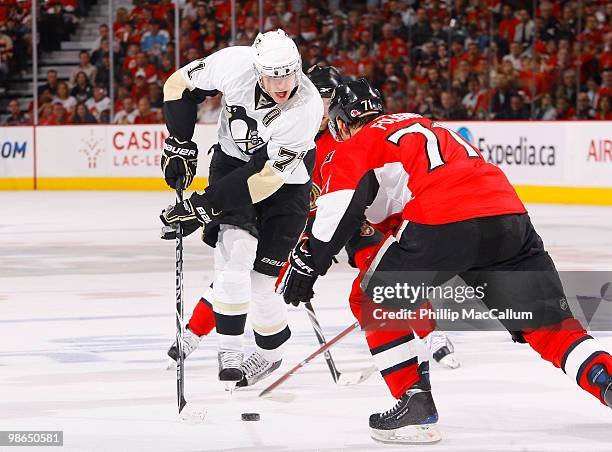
[179,161]
[298,276]
[191,213]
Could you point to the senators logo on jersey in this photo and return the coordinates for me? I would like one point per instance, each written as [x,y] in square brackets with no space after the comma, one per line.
[315,192]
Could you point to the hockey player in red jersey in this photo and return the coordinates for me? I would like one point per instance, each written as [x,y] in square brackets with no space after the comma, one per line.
[464,218]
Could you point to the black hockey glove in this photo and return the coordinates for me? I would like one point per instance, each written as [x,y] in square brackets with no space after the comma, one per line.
[298,276]
[179,160]
[191,213]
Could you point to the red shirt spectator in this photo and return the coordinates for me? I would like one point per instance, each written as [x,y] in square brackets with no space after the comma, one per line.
[391,47]
[508,24]
[144,68]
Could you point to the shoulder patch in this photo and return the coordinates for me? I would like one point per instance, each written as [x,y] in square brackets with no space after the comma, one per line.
[197,67]
[271,116]
[315,192]
[366,230]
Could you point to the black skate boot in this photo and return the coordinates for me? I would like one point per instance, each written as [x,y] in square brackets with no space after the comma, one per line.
[412,420]
[230,368]
[190,343]
[599,376]
[256,368]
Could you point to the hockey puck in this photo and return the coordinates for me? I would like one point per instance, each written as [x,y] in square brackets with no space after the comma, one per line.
[250,416]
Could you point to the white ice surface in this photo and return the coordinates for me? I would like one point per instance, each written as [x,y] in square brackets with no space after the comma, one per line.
[87,313]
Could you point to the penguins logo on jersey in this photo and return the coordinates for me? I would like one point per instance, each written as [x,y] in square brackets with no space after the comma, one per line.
[243,129]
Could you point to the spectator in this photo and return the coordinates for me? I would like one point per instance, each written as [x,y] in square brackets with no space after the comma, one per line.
[103,72]
[604,112]
[500,100]
[140,88]
[568,87]
[128,113]
[99,103]
[45,116]
[51,84]
[82,89]
[144,68]
[60,114]
[584,109]
[472,99]
[102,36]
[421,30]
[514,56]
[165,70]
[248,33]
[99,52]
[82,115]
[517,109]
[524,31]
[145,114]
[449,109]
[6,54]
[508,24]
[84,66]
[154,40]
[391,48]
[16,116]
[64,98]
[545,110]
[564,109]
[156,97]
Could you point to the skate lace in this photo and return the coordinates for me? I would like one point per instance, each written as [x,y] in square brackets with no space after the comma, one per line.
[231,359]
[436,340]
[395,408]
[190,342]
[255,364]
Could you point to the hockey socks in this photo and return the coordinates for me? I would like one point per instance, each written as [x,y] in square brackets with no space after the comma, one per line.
[202,320]
[582,358]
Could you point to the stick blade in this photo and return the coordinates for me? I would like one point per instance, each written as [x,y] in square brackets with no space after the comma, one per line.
[193,415]
[354,378]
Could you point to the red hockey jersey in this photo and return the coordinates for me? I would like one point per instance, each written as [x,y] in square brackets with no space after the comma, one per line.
[409,164]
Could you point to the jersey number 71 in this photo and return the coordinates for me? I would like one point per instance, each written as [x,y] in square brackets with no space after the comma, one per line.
[434,154]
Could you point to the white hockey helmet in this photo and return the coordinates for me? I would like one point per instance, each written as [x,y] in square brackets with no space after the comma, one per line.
[276,55]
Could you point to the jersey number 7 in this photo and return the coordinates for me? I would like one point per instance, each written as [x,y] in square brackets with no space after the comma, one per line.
[434,154]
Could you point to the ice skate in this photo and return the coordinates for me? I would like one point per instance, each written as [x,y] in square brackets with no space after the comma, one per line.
[230,368]
[599,376]
[412,420]
[256,368]
[191,341]
[442,349]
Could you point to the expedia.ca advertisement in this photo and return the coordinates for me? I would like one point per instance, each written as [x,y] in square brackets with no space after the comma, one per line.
[529,153]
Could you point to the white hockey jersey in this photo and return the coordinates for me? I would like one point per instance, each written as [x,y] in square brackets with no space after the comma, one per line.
[250,119]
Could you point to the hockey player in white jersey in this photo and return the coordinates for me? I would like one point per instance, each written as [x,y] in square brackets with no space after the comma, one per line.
[257,201]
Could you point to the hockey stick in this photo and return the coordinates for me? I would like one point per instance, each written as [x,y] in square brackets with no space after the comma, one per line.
[341,378]
[312,356]
[180,327]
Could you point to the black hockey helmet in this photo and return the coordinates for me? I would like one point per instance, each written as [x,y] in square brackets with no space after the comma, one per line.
[324,78]
[352,101]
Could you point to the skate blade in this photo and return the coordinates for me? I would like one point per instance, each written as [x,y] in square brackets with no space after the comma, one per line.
[450,362]
[354,378]
[230,386]
[171,364]
[412,434]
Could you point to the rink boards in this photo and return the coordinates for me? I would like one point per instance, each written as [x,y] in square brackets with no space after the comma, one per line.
[558,162]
